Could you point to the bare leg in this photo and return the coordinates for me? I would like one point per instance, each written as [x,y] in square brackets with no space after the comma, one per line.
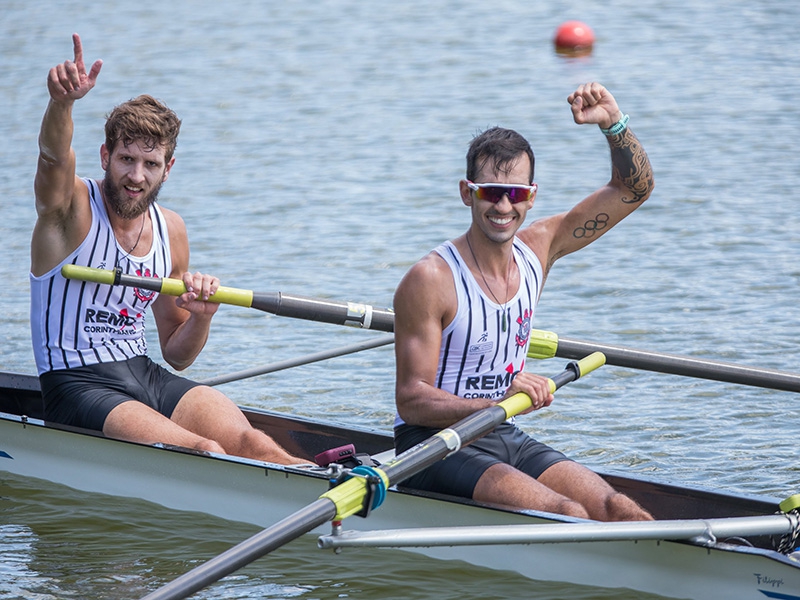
[204,419]
[210,414]
[566,488]
[503,484]
[137,422]
[601,501]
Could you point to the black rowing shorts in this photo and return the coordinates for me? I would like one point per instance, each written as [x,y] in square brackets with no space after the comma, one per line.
[84,396]
[458,474]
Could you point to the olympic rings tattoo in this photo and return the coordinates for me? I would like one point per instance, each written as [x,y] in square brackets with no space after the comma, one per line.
[592,226]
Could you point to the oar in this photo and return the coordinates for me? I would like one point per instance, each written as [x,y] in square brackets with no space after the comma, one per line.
[544,344]
[301,360]
[365,490]
[277,303]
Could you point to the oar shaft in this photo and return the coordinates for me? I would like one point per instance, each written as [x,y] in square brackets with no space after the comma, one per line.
[302,360]
[253,548]
[325,311]
[658,362]
[284,305]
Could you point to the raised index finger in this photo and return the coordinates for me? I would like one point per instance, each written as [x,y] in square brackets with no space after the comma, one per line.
[78,49]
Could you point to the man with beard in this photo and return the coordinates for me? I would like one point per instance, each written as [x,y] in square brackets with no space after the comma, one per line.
[88,339]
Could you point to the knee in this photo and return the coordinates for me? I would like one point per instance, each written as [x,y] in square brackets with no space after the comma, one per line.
[206,445]
[620,507]
[252,442]
[571,508]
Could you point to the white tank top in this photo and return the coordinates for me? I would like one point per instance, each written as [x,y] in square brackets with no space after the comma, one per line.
[76,323]
[477,358]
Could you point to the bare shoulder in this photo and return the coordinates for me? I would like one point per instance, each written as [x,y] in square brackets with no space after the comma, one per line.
[427,291]
[428,273]
[173,219]
[62,206]
[60,227]
[175,226]
[178,241]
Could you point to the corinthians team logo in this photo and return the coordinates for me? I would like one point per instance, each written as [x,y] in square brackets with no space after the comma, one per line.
[524,331]
[144,295]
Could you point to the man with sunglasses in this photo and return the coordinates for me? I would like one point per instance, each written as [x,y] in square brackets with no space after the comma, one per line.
[88,339]
[463,318]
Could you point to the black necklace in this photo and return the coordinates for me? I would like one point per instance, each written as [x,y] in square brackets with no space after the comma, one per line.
[488,287]
[138,238]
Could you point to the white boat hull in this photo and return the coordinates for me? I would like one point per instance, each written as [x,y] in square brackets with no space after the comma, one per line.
[262,494]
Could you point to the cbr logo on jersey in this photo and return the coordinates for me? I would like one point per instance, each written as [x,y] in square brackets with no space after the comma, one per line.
[524,331]
[144,295]
[482,346]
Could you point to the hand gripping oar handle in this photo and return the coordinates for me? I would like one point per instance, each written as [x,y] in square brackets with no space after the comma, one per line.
[277,303]
[348,498]
[574,370]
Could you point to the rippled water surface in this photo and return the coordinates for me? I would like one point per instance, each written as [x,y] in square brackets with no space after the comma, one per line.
[321,147]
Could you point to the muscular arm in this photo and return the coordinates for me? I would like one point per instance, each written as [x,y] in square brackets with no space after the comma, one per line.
[55,171]
[62,201]
[424,304]
[183,323]
[62,204]
[630,185]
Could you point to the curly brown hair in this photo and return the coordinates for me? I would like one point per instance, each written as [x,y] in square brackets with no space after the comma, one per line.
[143,119]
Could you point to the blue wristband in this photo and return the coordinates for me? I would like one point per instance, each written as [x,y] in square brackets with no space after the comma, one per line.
[617,127]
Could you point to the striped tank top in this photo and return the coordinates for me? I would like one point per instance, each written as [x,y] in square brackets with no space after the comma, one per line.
[477,358]
[77,323]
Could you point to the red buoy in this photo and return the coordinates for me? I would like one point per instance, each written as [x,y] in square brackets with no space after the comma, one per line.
[574,36]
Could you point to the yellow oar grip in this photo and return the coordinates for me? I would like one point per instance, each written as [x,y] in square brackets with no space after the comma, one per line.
[348,497]
[234,296]
[89,274]
[171,287]
[589,363]
[520,402]
[223,295]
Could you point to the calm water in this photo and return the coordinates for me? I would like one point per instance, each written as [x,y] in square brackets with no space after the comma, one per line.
[321,148]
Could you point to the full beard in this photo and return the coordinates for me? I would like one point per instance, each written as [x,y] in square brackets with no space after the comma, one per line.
[127,210]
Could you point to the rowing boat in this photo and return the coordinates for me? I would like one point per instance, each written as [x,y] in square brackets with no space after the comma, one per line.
[689,563]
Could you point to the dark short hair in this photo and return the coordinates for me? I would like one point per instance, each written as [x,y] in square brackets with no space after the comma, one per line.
[143,119]
[502,146]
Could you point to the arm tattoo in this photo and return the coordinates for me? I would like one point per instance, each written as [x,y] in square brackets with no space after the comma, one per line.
[592,227]
[630,165]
